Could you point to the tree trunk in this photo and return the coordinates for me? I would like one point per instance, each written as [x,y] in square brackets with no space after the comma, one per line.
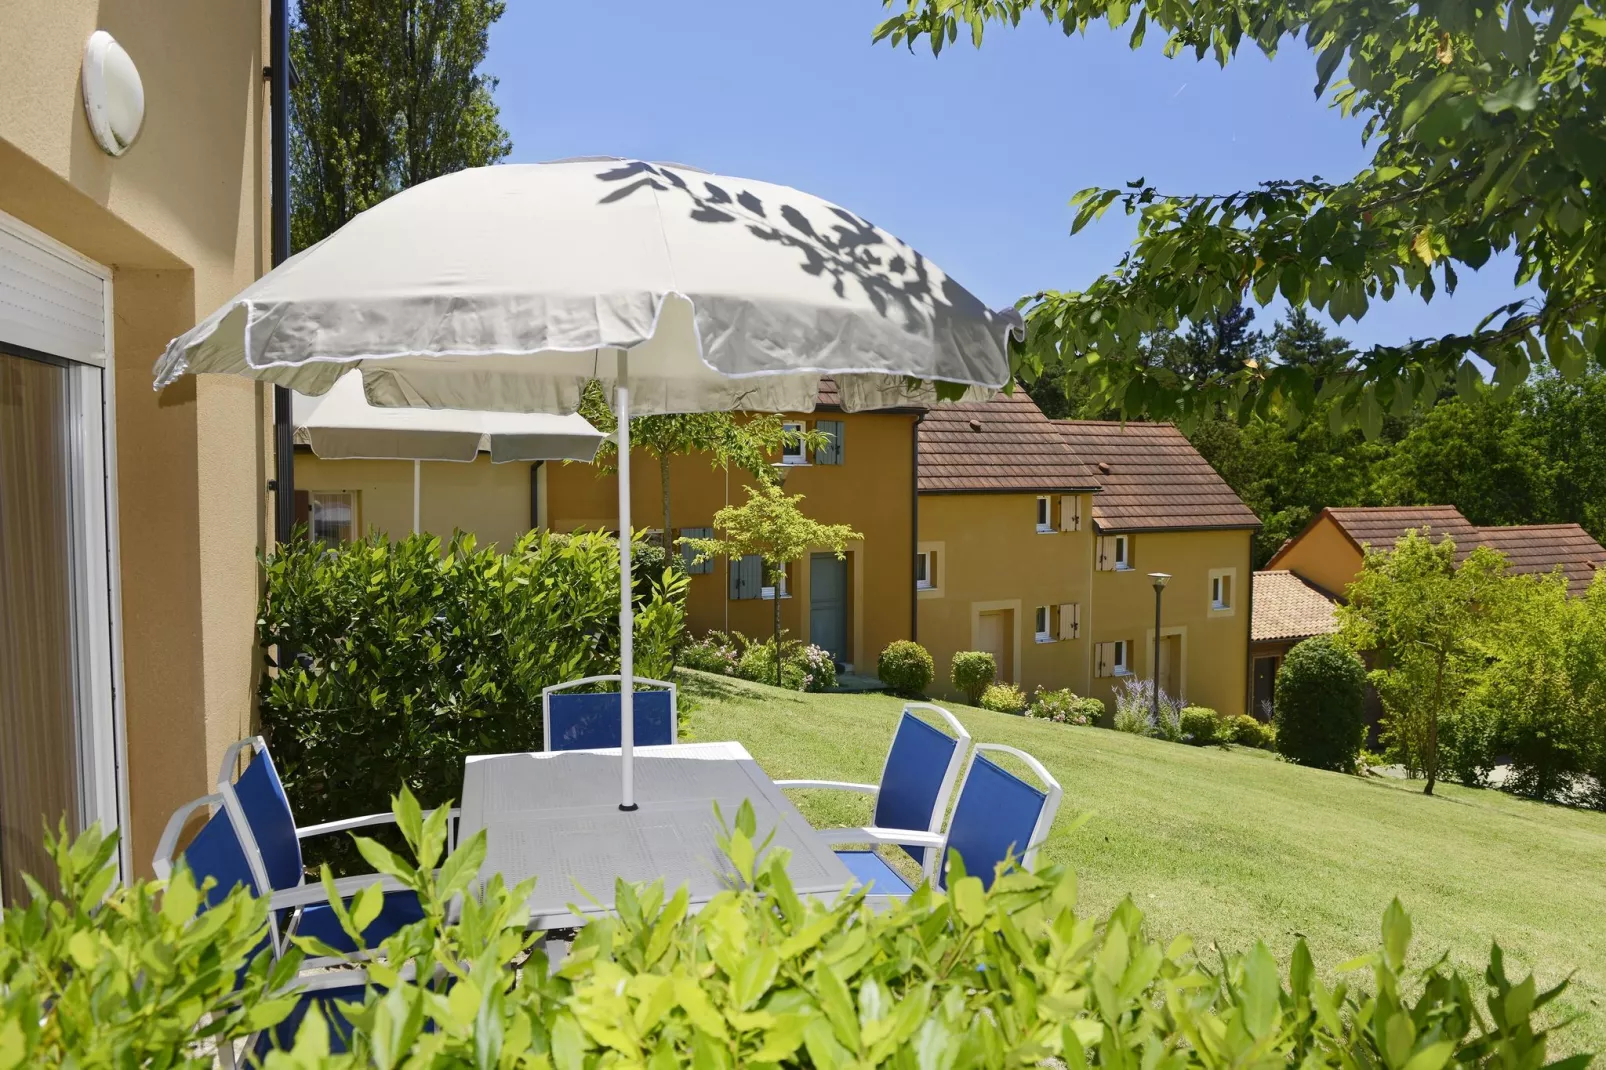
[775,582]
[1430,755]
[663,490]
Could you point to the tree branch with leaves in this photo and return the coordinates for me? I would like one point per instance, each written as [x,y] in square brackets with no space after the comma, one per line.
[771,525]
[1488,132]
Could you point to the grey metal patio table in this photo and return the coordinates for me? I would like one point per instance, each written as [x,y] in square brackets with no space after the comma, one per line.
[555,815]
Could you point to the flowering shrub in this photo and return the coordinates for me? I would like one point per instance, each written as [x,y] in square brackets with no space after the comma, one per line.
[1134,711]
[715,652]
[803,668]
[1003,698]
[1064,707]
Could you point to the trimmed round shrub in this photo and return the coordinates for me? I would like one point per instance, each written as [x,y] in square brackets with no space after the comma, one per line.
[1004,698]
[1320,706]
[971,673]
[1247,731]
[906,667]
[1064,707]
[1201,726]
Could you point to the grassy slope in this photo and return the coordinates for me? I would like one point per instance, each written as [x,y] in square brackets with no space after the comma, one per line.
[1235,845]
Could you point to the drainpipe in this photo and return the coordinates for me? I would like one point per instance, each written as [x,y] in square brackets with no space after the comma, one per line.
[914,526]
[284,498]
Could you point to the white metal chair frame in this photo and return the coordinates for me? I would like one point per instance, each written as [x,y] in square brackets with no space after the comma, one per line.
[939,841]
[613,678]
[278,943]
[939,810]
[304,894]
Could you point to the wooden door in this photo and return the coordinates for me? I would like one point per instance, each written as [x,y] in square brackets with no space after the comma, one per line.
[996,635]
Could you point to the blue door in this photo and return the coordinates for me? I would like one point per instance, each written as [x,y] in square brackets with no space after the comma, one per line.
[828,605]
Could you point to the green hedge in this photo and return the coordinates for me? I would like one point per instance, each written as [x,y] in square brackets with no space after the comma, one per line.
[1320,705]
[1013,976]
[397,659]
[906,668]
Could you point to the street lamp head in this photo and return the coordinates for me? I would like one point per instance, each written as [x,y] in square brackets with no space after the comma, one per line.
[1160,579]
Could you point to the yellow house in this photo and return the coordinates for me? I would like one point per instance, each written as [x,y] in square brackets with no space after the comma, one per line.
[1161,508]
[1005,555]
[1037,538]
[129,520]
[1296,593]
[853,607]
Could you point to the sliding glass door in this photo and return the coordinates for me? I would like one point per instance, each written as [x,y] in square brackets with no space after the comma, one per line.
[59,730]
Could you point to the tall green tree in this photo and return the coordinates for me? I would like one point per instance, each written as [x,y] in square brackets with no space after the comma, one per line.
[388,94]
[1431,622]
[771,524]
[1487,126]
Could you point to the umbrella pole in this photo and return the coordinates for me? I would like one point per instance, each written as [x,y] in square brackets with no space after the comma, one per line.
[627,636]
[418,481]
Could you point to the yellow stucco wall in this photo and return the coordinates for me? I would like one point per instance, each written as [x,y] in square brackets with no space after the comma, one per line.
[1322,555]
[1213,644]
[990,558]
[181,221]
[490,500]
[871,491]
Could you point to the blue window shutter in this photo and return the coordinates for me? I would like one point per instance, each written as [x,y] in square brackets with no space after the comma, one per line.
[831,453]
[747,577]
[689,556]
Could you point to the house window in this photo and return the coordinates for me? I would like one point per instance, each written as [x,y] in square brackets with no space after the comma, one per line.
[926,570]
[332,516]
[747,577]
[688,556]
[1045,514]
[1113,659]
[1122,551]
[792,452]
[831,452]
[1045,626]
[768,592]
[1222,592]
[1114,553]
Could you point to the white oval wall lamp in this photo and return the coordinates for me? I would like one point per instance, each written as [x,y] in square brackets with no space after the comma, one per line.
[114,97]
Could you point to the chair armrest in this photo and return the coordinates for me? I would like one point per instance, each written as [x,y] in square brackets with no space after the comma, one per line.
[366,821]
[345,887]
[840,785]
[872,834]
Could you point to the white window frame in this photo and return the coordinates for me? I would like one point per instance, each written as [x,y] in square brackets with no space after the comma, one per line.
[927,563]
[1223,592]
[1045,515]
[766,592]
[1043,620]
[1120,658]
[1121,553]
[799,458]
[100,729]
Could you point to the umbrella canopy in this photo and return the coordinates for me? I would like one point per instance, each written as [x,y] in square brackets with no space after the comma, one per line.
[508,287]
[342,425]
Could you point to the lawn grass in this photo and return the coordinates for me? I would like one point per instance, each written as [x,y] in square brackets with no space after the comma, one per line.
[1234,845]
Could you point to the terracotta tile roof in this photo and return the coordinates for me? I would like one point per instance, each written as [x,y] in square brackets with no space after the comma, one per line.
[1529,548]
[1286,607]
[1005,444]
[1533,548]
[1153,479]
[1382,526]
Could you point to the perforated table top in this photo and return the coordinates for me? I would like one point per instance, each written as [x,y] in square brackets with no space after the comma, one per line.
[555,815]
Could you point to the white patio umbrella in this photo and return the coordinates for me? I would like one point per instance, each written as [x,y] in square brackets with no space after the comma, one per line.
[509,288]
[342,425]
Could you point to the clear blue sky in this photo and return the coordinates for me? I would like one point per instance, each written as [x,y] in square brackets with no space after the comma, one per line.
[970,157]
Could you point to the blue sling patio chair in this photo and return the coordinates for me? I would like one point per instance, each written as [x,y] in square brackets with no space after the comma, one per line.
[272,844]
[221,852]
[998,816]
[917,780]
[590,720]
